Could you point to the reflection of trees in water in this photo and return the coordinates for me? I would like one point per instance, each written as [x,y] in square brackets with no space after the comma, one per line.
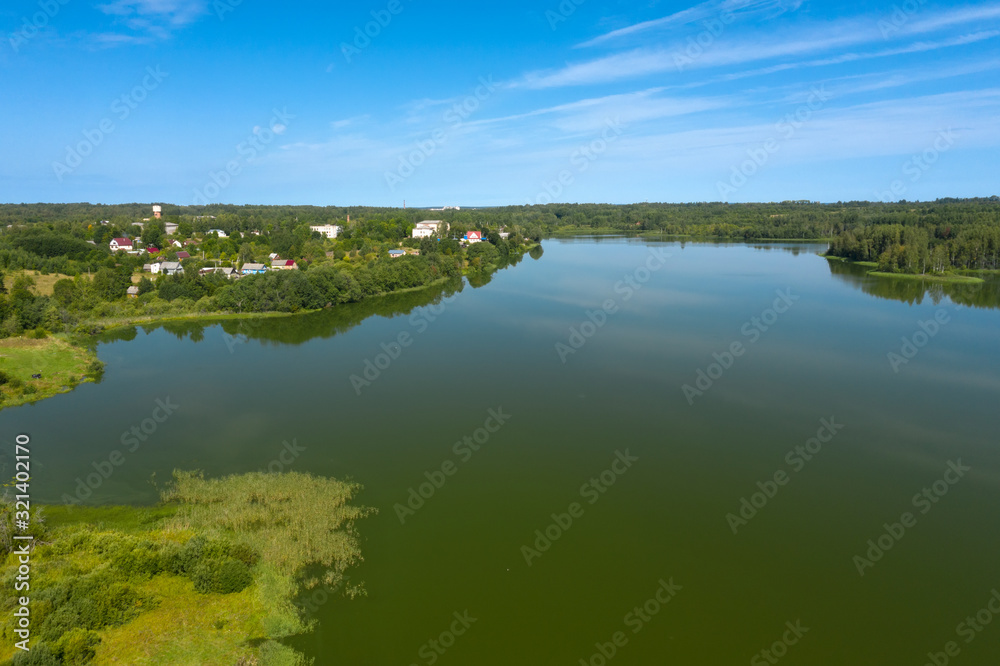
[913,291]
[298,329]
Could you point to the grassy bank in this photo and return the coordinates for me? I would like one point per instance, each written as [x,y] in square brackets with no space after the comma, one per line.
[62,367]
[968,277]
[209,576]
[951,279]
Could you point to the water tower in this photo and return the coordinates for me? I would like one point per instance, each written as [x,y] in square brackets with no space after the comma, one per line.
[157,212]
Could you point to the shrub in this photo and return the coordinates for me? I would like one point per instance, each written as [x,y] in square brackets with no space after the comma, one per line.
[224,576]
[39,334]
[40,655]
[245,554]
[77,646]
[8,380]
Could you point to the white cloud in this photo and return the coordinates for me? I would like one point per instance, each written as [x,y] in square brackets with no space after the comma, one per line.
[834,36]
[347,122]
[150,18]
[706,10]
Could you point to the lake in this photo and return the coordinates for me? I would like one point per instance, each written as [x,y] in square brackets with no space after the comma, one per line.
[617,451]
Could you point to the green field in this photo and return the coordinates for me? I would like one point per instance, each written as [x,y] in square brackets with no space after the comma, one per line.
[61,365]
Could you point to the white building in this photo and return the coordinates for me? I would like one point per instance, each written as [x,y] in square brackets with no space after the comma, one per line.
[328,230]
[429,228]
[220,232]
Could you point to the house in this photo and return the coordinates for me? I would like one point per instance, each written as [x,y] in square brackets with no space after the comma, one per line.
[396,254]
[117,244]
[152,250]
[220,232]
[253,269]
[190,242]
[171,268]
[274,256]
[327,230]
[133,292]
[183,255]
[284,265]
[147,268]
[176,243]
[429,229]
[473,237]
[229,272]
[505,235]
[170,228]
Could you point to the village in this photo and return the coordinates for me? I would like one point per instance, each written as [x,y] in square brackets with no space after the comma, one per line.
[170,260]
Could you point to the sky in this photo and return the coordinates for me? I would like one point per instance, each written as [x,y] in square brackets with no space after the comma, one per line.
[383,102]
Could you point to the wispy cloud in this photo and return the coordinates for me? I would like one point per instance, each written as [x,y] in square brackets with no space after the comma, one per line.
[145,19]
[802,42]
[347,122]
[700,12]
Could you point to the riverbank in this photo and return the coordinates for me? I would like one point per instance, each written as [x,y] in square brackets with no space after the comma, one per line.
[947,278]
[568,232]
[62,366]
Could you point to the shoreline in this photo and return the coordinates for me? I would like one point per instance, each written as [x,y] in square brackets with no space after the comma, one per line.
[939,279]
[77,352]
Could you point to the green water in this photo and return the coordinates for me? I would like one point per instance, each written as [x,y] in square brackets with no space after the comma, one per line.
[244,388]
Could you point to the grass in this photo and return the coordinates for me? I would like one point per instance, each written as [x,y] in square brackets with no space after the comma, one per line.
[287,524]
[61,364]
[43,283]
[955,279]
[186,627]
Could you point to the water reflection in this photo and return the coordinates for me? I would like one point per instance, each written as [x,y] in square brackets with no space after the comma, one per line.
[985,295]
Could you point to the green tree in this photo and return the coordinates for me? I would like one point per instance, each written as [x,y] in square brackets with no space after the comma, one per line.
[110,284]
[153,233]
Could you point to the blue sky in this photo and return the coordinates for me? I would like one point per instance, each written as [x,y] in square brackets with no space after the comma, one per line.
[460,104]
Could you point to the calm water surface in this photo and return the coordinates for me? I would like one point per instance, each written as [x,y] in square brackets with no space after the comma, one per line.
[244,388]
